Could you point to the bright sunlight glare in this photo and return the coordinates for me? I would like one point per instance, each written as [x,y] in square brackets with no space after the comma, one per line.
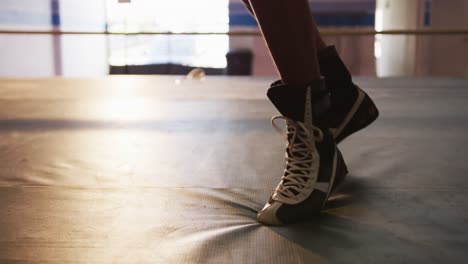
[175,16]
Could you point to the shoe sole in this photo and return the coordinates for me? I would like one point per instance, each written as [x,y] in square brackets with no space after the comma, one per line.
[362,114]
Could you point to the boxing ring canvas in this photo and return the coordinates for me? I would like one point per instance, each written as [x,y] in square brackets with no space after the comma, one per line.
[129,169]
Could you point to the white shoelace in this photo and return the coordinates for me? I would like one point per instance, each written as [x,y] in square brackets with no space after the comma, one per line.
[298,157]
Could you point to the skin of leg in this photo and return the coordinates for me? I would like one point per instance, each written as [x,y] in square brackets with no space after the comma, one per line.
[320,42]
[291,36]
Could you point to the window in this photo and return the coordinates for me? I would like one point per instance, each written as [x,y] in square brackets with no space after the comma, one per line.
[175,16]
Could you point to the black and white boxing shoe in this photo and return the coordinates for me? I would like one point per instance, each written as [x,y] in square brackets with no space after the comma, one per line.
[351,108]
[313,162]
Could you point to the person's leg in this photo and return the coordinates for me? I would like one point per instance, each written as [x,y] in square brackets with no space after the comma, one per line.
[351,108]
[313,162]
[320,43]
[290,33]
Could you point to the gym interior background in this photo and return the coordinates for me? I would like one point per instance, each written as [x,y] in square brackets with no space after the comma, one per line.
[111,153]
[98,55]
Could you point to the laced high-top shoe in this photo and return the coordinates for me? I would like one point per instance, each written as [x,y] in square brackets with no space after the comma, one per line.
[351,108]
[313,162]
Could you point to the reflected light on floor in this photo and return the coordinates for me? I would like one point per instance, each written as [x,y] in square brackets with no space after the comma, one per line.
[121,109]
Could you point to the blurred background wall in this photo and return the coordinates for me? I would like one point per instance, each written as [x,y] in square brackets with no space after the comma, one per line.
[421,55]
[357,51]
[447,55]
[25,55]
[91,55]
[38,55]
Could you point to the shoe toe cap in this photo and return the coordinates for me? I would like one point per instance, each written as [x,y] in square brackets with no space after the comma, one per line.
[268,215]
